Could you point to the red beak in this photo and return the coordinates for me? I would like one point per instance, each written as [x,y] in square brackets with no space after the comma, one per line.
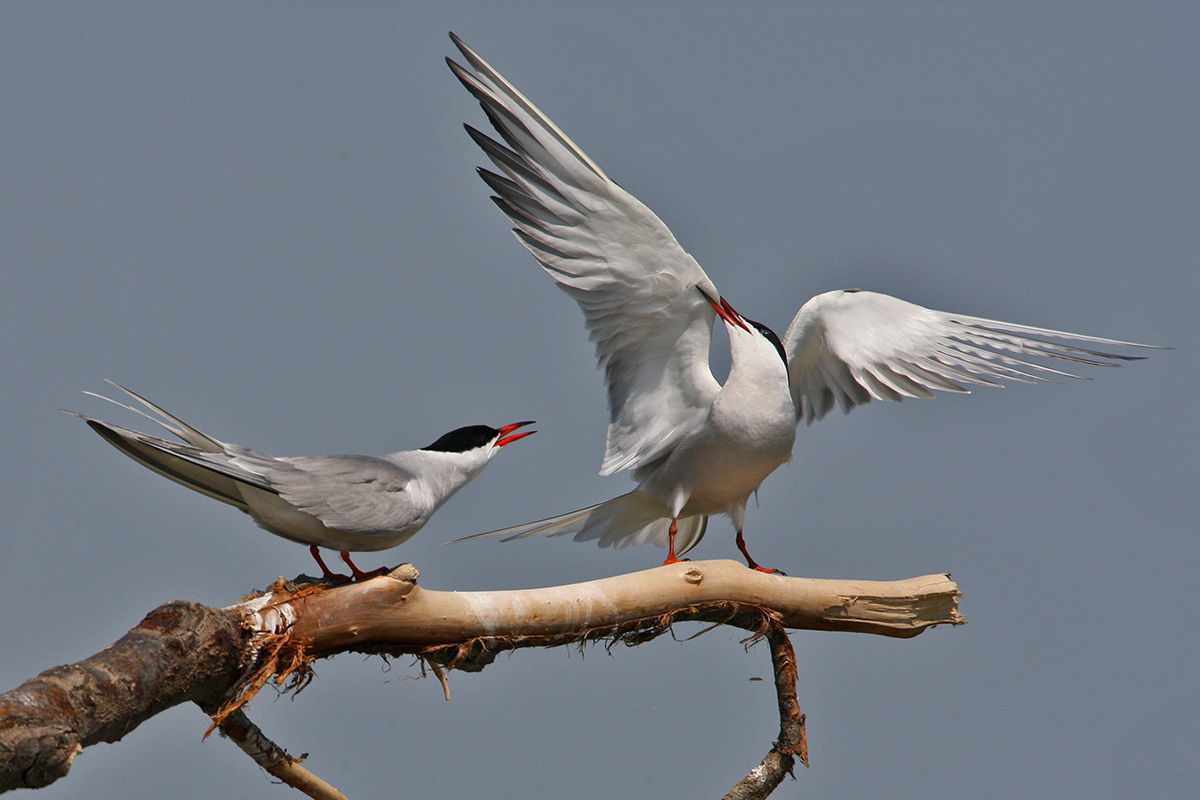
[726,312]
[508,437]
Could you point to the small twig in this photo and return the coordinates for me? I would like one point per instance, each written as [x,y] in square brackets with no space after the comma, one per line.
[700,633]
[792,744]
[441,676]
[274,759]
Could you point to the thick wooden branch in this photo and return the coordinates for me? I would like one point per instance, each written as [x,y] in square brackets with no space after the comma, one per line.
[393,609]
[180,652]
[218,658]
[467,630]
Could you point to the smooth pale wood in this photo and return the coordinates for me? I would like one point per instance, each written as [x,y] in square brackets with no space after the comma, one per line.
[393,609]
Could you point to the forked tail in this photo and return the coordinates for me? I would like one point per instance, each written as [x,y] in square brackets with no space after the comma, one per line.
[630,519]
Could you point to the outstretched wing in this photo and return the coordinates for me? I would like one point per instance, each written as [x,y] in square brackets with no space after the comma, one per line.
[639,290]
[849,347]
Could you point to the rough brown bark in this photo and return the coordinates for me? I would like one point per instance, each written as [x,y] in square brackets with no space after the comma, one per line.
[219,658]
[180,652]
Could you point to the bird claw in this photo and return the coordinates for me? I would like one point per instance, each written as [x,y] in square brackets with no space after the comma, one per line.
[356,574]
[362,576]
[359,575]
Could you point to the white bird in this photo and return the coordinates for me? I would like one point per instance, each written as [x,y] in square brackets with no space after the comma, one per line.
[697,447]
[344,503]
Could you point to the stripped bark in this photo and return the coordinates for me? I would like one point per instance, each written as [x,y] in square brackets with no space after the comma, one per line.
[219,658]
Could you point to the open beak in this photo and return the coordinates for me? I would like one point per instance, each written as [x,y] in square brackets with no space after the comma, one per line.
[726,312]
[508,437]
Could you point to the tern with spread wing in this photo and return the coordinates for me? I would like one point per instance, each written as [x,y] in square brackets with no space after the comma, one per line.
[697,447]
[344,503]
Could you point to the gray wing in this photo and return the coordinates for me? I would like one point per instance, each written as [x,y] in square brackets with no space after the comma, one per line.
[849,347]
[357,494]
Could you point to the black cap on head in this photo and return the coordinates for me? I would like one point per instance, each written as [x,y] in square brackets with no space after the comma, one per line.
[461,440]
[770,336]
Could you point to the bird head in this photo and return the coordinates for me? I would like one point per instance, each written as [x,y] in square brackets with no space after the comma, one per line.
[735,321]
[464,452]
[479,437]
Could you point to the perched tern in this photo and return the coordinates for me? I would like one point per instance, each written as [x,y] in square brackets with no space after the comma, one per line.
[343,503]
[697,447]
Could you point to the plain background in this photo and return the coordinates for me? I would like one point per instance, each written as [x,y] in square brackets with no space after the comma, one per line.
[265,218]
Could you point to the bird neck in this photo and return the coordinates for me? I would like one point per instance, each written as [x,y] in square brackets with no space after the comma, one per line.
[754,362]
[439,475]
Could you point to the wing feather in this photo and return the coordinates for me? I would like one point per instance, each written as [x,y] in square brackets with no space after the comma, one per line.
[357,494]
[635,284]
[200,470]
[851,347]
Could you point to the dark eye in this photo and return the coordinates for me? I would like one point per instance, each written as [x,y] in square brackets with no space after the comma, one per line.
[773,338]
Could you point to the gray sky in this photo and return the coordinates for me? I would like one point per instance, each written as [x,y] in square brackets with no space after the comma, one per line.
[265,218]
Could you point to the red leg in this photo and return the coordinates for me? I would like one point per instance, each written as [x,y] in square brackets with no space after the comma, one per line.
[671,559]
[741,543]
[358,573]
[336,576]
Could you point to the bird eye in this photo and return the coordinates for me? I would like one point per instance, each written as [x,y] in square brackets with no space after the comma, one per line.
[771,337]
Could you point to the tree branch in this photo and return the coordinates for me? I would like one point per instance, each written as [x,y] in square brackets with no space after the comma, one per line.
[180,651]
[792,744]
[274,759]
[219,658]
[393,609]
